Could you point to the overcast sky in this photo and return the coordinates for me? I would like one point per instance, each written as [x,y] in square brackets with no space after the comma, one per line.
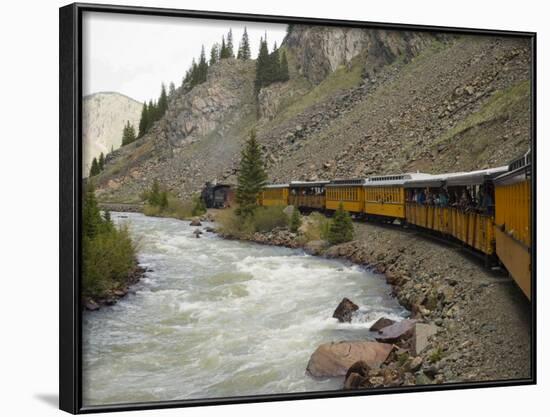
[133,54]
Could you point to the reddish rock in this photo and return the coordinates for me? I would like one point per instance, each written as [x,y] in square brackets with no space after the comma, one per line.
[335,359]
[380,324]
[345,310]
[396,332]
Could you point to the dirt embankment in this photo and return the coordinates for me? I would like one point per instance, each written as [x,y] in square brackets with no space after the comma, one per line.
[483,319]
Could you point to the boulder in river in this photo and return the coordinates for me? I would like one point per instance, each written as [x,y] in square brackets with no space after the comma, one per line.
[396,332]
[197,233]
[195,222]
[345,310]
[91,305]
[335,359]
[380,324]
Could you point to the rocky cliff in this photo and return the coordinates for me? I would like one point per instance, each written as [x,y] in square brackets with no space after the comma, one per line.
[103,117]
[358,102]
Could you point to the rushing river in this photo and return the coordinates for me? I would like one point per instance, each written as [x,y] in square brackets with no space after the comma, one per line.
[217,318]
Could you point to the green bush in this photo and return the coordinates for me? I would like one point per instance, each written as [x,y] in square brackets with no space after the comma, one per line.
[295,220]
[108,253]
[341,227]
[317,227]
[162,203]
[262,219]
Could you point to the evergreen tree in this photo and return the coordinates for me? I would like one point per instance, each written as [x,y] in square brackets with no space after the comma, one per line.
[151,115]
[262,64]
[163,102]
[230,53]
[283,71]
[171,89]
[163,199]
[101,161]
[202,68]
[252,176]
[128,134]
[224,52]
[295,220]
[214,54]
[155,197]
[273,69]
[244,47]
[94,169]
[91,216]
[143,121]
[341,227]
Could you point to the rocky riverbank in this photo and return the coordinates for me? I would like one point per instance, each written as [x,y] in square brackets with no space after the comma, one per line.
[112,295]
[475,323]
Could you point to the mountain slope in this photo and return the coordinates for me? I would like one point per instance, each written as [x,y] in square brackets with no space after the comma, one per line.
[103,117]
[358,102]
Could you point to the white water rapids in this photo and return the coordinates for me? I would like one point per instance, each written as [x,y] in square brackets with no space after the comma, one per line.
[218,318]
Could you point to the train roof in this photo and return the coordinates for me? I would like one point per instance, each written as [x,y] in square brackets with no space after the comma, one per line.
[474,177]
[519,169]
[347,182]
[396,179]
[299,184]
[276,186]
[455,178]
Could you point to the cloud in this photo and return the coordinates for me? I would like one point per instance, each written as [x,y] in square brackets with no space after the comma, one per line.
[133,54]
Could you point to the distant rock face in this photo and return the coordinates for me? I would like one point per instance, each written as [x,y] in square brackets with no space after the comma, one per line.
[319,51]
[103,118]
[201,111]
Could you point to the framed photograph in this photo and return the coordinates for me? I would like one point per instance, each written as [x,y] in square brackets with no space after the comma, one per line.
[265,208]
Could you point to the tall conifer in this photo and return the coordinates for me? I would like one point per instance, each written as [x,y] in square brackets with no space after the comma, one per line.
[252,176]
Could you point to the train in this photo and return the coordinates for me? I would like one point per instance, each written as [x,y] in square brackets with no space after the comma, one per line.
[487,210]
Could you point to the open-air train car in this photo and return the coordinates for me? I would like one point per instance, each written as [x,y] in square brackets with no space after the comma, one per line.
[513,221]
[459,204]
[307,195]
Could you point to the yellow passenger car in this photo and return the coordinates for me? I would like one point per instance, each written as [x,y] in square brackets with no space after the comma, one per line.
[513,221]
[350,193]
[274,195]
[385,196]
[307,195]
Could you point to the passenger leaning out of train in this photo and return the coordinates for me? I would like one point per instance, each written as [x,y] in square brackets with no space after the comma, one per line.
[442,199]
[421,197]
[465,202]
[485,201]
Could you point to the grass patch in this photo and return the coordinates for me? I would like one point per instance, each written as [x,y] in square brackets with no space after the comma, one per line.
[341,79]
[263,219]
[500,106]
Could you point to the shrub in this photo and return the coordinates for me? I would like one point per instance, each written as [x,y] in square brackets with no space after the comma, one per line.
[318,227]
[262,219]
[341,227]
[199,207]
[108,252]
[295,220]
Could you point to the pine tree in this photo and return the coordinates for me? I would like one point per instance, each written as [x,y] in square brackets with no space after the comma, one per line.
[128,134]
[202,68]
[151,115]
[283,72]
[101,161]
[295,220]
[230,53]
[91,216]
[94,169]
[252,176]
[341,227]
[244,47]
[155,197]
[224,53]
[262,64]
[273,67]
[143,121]
[214,54]
[163,102]
[171,89]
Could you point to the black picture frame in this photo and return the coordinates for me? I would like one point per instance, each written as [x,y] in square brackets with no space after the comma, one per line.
[70,155]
